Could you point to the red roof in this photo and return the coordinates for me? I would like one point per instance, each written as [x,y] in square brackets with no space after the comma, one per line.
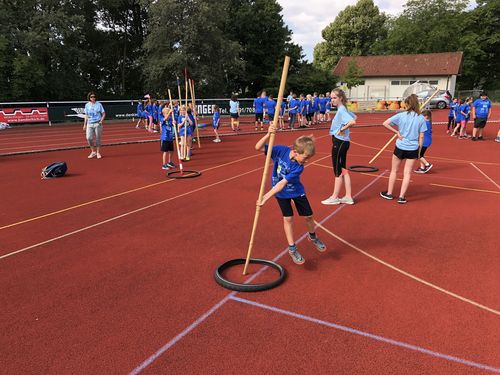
[427,64]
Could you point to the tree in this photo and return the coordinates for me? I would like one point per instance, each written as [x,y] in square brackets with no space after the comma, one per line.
[353,32]
[354,74]
[188,34]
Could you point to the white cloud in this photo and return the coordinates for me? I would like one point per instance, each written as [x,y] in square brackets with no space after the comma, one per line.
[308,18]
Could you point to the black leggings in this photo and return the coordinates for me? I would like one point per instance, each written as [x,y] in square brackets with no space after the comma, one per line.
[339,155]
[451,122]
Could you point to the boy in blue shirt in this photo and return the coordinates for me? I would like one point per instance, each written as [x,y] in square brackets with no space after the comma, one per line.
[258,104]
[166,136]
[451,116]
[293,108]
[481,111]
[270,107]
[425,166]
[288,165]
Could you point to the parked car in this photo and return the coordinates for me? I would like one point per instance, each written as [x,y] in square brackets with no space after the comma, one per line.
[441,100]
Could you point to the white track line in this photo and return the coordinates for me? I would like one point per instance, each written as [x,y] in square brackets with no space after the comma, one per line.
[372,336]
[485,175]
[407,274]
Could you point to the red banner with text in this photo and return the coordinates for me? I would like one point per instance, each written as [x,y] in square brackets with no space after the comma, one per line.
[24,115]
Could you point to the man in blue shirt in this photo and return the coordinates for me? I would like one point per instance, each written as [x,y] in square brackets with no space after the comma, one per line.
[481,110]
[258,105]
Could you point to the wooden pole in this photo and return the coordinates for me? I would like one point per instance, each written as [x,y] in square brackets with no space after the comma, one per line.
[395,135]
[174,121]
[180,104]
[186,151]
[193,98]
[284,75]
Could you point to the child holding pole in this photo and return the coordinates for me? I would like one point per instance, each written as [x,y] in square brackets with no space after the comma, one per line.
[288,165]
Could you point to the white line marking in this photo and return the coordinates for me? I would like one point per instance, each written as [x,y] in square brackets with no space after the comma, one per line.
[368,335]
[485,175]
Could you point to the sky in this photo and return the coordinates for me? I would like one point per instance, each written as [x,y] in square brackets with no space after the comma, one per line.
[306,19]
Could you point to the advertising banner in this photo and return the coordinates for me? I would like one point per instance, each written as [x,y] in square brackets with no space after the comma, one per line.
[23,115]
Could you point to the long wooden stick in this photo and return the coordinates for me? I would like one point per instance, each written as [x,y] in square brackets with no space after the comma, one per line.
[180,105]
[395,135]
[174,121]
[284,75]
[193,98]
[186,151]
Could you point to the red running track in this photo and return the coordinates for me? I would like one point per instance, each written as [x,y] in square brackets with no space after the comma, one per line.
[109,270]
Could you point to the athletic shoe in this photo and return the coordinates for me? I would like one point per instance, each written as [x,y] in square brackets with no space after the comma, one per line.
[165,167]
[473,139]
[419,170]
[317,242]
[402,200]
[497,139]
[296,257]
[346,200]
[92,155]
[480,138]
[331,201]
[428,168]
[386,195]
[99,156]
[171,165]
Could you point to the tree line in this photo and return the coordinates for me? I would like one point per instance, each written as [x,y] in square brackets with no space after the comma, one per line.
[61,49]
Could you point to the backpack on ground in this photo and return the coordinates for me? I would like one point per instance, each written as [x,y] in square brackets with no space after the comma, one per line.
[53,170]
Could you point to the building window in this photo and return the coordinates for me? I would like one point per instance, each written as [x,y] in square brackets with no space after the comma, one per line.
[395,83]
[404,83]
[412,82]
[433,82]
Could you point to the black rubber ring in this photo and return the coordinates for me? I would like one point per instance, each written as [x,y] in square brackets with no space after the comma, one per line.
[248,287]
[362,168]
[185,174]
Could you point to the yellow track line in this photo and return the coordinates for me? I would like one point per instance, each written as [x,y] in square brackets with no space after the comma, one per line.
[464,188]
[454,295]
[111,196]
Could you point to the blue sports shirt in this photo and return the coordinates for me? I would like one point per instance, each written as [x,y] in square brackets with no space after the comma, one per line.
[482,107]
[410,125]
[285,168]
[94,112]
[342,117]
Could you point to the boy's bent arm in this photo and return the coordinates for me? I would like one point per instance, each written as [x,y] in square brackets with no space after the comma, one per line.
[275,190]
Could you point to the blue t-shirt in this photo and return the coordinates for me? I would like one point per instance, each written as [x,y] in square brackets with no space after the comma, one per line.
[140,109]
[322,104]
[285,168]
[282,109]
[94,112]
[259,104]
[215,120]
[482,107]
[293,106]
[328,104]
[428,134]
[342,117]
[410,125]
[149,109]
[452,109]
[167,130]
[233,106]
[315,104]
[271,106]
[460,116]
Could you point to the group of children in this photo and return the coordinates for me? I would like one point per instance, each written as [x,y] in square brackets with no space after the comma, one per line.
[460,113]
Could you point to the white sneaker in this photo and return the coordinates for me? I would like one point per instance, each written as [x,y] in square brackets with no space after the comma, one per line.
[346,200]
[92,155]
[331,201]
[99,156]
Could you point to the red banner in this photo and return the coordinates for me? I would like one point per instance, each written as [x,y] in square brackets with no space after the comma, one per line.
[24,115]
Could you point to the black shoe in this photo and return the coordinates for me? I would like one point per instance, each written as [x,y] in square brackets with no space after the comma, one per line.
[385,195]
[402,200]
[480,138]
[473,139]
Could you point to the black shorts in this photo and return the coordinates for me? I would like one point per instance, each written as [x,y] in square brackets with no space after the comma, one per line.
[339,155]
[479,122]
[259,117]
[166,146]
[322,112]
[404,154]
[234,115]
[301,204]
[422,152]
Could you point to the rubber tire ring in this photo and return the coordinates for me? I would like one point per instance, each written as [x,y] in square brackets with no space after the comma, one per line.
[362,168]
[248,287]
[190,174]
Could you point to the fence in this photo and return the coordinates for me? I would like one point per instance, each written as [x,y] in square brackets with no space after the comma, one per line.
[59,112]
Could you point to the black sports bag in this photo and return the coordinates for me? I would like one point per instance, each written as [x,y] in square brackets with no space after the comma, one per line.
[53,170]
